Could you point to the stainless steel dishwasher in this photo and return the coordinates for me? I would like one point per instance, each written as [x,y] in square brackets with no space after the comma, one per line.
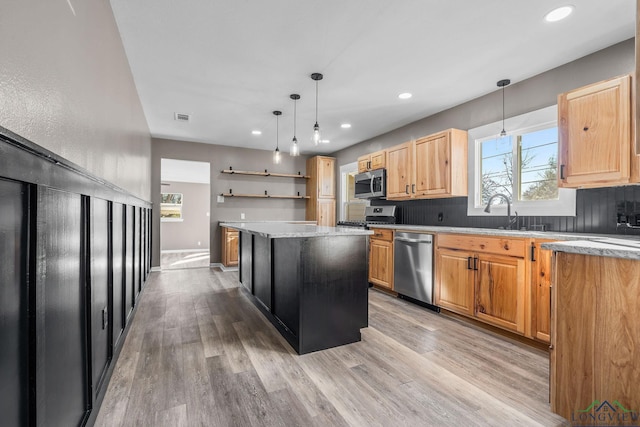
[413,266]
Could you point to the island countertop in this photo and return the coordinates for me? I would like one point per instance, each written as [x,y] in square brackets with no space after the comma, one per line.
[283,230]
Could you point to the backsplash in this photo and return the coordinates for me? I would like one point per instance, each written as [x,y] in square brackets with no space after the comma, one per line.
[598,211]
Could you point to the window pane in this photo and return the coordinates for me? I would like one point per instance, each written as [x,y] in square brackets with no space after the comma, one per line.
[538,165]
[496,168]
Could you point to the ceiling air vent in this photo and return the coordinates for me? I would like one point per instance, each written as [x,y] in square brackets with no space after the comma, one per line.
[182,117]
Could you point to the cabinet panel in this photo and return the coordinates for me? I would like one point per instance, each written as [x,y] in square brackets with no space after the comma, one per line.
[117,245]
[378,160]
[326,212]
[229,239]
[432,165]
[62,388]
[14,330]
[399,159]
[381,263]
[246,261]
[129,292]
[498,245]
[595,133]
[262,269]
[454,281]
[363,164]
[541,292]
[500,291]
[326,181]
[99,244]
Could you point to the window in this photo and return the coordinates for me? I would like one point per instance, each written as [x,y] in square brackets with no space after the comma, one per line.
[171,207]
[521,165]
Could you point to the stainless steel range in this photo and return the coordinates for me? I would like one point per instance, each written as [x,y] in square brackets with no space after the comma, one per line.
[373,215]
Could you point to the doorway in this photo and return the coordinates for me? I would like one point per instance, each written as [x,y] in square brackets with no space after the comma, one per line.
[184,214]
[351,209]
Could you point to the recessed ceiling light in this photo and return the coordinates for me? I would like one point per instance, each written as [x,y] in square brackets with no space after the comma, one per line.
[405,95]
[558,14]
[345,125]
[256,132]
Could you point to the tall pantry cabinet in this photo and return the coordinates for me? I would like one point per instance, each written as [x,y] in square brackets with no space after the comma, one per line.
[321,189]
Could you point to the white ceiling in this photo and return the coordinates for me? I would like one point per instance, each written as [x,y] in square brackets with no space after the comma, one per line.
[231,63]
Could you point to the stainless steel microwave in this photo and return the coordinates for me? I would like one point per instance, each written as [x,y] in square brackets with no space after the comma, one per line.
[371,185]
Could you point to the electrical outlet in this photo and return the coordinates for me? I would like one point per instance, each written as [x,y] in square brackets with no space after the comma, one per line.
[242,215]
[198,243]
[220,199]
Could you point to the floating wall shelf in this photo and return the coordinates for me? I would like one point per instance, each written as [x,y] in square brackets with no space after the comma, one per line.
[265,173]
[263,196]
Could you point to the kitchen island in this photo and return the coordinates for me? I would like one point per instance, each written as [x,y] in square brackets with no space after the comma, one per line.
[309,281]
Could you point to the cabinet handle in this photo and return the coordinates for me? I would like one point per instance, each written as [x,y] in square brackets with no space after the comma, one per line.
[469,263]
[413,188]
[369,165]
[406,189]
[533,252]
[562,172]
[475,263]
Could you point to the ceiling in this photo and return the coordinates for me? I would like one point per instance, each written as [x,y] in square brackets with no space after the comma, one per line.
[229,64]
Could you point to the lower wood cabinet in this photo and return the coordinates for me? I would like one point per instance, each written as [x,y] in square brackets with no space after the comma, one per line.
[491,287]
[541,291]
[595,344]
[381,258]
[230,239]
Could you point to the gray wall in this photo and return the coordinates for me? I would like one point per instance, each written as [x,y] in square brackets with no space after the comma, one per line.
[520,97]
[194,227]
[222,157]
[65,84]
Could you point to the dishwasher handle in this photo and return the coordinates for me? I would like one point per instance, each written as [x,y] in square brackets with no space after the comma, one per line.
[403,239]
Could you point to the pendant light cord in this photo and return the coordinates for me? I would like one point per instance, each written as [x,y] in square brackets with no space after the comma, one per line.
[295,103]
[316,101]
[503,108]
[277,133]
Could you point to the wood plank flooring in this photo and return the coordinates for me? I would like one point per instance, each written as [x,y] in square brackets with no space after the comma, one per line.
[200,354]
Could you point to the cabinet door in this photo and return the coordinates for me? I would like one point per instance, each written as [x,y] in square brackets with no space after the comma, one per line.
[541,292]
[433,169]
[454,281]
[232,248]
[363,164]
[399,159]
[500,291]
[381,263]
[595,133]
[326,212]
[378,160]
[326,181]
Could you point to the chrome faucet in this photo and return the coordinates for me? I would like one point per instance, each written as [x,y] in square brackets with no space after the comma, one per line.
[510,220]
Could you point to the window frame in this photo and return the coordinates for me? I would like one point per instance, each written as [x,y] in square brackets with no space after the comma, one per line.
[178,206]
[544,118]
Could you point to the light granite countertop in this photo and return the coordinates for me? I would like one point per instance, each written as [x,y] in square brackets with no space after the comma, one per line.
[277,230]
[616,246]
[234,221]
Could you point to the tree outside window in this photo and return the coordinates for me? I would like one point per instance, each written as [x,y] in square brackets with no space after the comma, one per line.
[533,174]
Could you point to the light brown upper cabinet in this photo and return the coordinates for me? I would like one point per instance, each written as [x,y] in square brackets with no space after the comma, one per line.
[321,189]
[373,161]
[595,135]
[429,167]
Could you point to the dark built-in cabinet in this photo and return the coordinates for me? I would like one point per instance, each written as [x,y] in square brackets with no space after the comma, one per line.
[75,256]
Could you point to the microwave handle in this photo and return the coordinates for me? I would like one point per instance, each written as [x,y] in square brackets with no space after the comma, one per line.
[371,184]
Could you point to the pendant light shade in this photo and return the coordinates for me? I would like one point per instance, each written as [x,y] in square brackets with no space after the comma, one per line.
[295,150]
[277,158]
[502,84]
[316,128]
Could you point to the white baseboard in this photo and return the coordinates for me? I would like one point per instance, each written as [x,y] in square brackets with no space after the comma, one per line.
[156,269]
[222,267]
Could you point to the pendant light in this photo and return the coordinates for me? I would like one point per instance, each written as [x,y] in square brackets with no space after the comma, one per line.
[316,128]
[502,84]
[276,154]
[295,150]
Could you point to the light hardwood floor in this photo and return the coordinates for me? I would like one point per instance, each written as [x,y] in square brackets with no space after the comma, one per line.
[200,354]
[186,259]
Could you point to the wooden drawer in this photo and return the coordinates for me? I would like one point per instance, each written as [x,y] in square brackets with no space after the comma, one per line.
[382,234]
[510,246]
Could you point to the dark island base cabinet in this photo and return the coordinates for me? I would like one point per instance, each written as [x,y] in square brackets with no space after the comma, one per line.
[317,287]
